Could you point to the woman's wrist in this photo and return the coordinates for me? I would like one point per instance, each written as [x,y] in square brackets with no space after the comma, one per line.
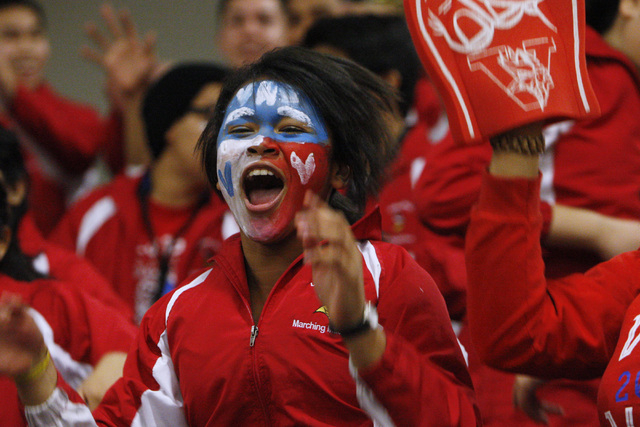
[38,383]
[36,371]
[516,153]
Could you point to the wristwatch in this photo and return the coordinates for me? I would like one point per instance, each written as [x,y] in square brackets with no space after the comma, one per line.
[369,322]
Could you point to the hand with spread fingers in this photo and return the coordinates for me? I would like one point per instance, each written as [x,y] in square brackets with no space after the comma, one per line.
[330,248]
[130,64]
[128,60]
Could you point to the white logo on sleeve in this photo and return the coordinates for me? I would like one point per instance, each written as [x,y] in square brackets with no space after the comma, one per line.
[632,340]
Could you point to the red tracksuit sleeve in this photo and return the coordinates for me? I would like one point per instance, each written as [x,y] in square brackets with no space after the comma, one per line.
[60,410]
[65,233]
[148,388]
[73,133]
[450,184]
[422,379]
[84,326]
[521,322]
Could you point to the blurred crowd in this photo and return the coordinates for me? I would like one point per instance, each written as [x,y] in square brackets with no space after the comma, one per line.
[92,256]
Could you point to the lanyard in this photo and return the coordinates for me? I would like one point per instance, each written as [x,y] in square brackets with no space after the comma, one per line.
[164,257]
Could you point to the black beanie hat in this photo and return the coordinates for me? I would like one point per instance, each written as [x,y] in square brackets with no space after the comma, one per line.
[169,98]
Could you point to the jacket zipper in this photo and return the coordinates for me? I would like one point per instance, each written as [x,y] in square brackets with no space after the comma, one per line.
[252,340]
[256,376]
[254,334]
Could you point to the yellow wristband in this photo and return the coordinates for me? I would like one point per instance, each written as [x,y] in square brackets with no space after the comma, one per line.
[36,370]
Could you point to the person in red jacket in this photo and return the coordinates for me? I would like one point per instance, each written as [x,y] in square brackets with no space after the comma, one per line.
[550,328]
[60,138]
[305,316]
[146,233]
[577,174]
[86,339]
[47,258]
[382,44]
[519,319]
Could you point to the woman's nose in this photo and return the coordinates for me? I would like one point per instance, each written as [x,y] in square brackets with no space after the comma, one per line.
[266,148]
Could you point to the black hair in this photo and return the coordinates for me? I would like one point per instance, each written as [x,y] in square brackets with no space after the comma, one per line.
[4,207]
[380,43]
[15,263]
[221,7]
[13,169]
[352,101]
[601,14]
[11,161]
[169,98]
[31,4]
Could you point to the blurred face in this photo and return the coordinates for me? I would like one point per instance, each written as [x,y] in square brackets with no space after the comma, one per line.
[272,148]
[303,13]
[23,44]
[630,40]
[183,135]
[250,28]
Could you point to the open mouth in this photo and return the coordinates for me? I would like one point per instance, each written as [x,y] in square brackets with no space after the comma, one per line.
[262,188]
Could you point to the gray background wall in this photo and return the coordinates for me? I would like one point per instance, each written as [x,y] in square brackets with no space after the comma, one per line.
[186,31]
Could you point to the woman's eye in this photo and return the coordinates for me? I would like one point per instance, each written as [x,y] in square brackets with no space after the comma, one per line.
[239,130]
[292,129]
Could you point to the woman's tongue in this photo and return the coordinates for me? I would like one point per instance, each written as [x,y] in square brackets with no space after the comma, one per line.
[263,196]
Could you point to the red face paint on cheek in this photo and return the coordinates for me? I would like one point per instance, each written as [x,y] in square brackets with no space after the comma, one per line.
[308,164]
[305,167]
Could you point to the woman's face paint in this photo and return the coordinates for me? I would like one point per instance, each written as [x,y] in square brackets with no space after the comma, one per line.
[272,147]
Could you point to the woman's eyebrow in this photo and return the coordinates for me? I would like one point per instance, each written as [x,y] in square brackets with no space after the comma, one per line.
[301,116]
[238,113]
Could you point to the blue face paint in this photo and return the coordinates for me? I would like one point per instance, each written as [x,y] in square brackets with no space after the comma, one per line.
[264,104]
[226,179]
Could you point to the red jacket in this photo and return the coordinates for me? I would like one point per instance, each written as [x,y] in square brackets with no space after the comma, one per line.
[595,164]
[77,329]
[577,171]
[107,229]
[440,255]
[400,222]
[65,265]
[60,140]
[199,360]
[566,327]
[592,164]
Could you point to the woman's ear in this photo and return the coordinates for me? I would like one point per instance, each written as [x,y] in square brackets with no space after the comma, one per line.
[340,176]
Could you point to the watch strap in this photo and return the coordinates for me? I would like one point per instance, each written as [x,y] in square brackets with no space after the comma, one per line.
[369,322]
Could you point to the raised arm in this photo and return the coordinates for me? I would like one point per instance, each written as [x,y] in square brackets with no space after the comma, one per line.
[129,63]
[410,369]
[25,357]
[519,320]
